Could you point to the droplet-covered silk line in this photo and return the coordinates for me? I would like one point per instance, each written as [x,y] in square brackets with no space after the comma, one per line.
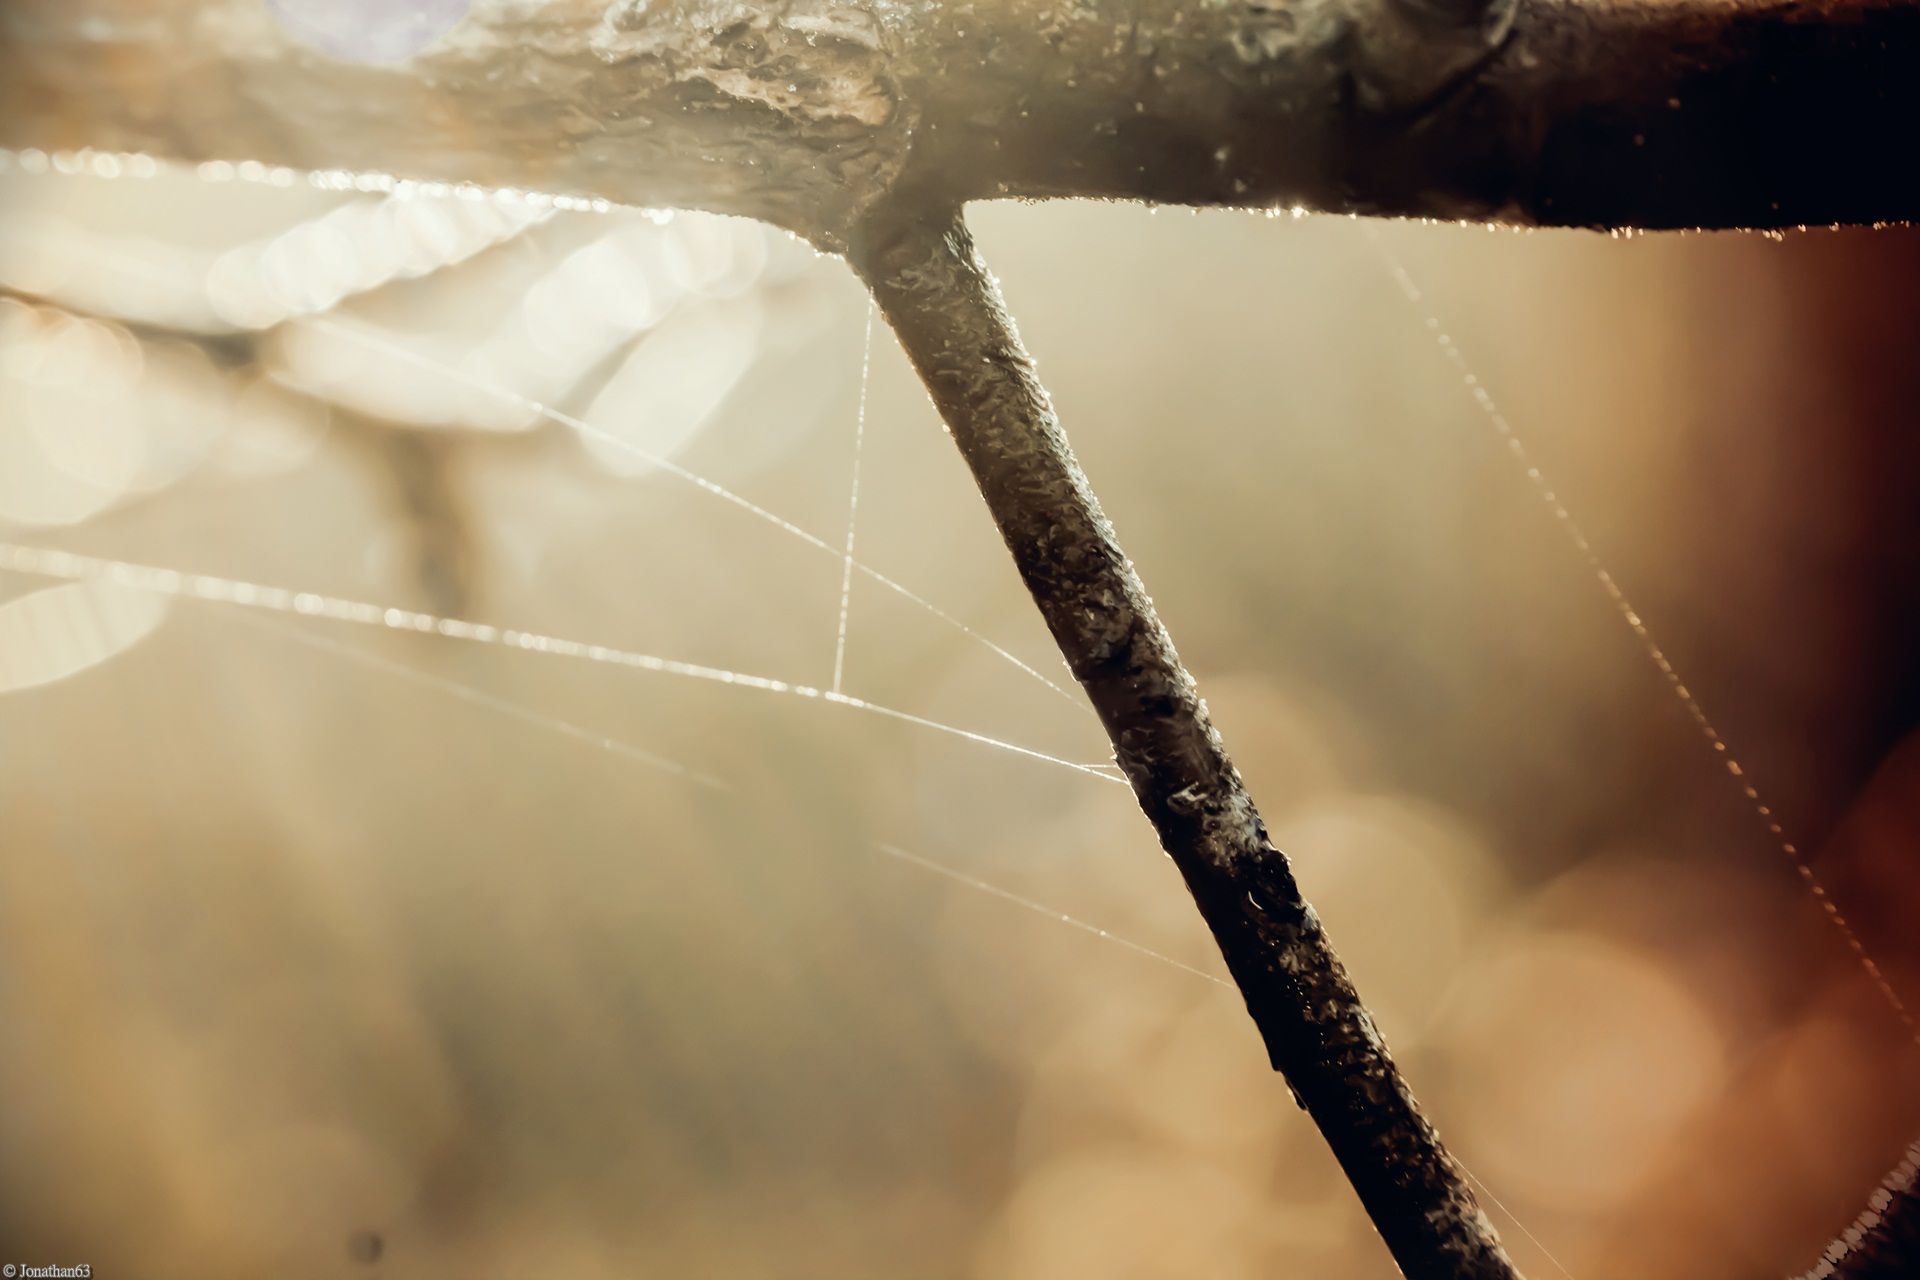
[1637,625]
[140,167]
[137,166]
[204,587]
[71,566]
[528,404]
[956,875]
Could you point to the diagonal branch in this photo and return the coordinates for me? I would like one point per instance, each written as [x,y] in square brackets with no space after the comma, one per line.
[948,313]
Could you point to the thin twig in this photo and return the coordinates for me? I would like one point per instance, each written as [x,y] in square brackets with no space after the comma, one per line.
[947,311]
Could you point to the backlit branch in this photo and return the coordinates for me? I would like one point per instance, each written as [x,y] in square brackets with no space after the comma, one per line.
[806,113]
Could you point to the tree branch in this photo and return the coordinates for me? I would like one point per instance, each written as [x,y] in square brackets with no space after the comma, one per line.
[845,120]
[949,317]
[807,113]
[1883,1243]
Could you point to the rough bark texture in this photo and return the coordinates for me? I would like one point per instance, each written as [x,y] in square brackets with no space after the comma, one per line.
[948,314]
[806,113]
[1883,1243]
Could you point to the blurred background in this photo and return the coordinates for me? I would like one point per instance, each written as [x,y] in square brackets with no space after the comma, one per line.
[336,950]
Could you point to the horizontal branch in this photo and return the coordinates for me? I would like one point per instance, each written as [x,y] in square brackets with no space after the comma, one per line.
[807,113]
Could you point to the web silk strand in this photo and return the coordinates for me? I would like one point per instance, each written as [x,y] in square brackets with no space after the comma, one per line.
[137,167]
[1683,694]
[528,404]
[853,502]
[70,566]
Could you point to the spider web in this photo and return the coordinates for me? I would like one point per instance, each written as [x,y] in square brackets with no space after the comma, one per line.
[288,601]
